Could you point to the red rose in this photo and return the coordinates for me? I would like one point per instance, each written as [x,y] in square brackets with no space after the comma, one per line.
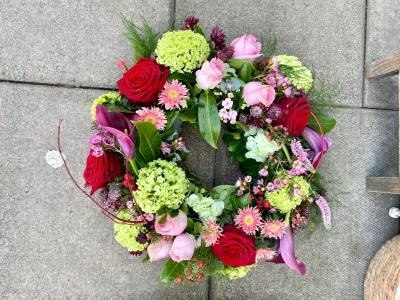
[101,170]
[234,248]
[143,81]
[296,112]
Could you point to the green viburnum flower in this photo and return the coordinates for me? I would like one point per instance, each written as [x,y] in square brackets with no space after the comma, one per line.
[102,99]
[126,235]
[259,146]
[161,183]
[290,196]
[206,207]
[182,50]
[300,77]
[233,273]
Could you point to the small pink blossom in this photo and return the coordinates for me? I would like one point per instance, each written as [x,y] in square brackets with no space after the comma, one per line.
[248,220]
[171,226]
[159,250]
[210,74]
[266,253]
[273,229]
[182,247]
[122,65]
[173,95]
[153,115]
[255,92]
[211,232]
[246,47]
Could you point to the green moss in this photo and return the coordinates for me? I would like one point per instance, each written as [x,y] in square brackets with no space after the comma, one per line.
[182,50]
[161,183]
[126,235]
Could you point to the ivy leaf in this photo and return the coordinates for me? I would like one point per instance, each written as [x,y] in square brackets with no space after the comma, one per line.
[171,270]
[149,141]
[327,123]
[209,122]
[172,122]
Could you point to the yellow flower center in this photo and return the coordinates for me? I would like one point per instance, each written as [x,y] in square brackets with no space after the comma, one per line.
[248,220]
[173,94]
[150,119]
[273,228]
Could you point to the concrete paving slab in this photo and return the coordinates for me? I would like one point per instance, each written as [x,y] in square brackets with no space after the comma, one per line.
[53,243]
[327,36]
[365,144]
[383,36]
[71,42]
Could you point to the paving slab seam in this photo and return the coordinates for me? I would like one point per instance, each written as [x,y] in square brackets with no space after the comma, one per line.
[365,52]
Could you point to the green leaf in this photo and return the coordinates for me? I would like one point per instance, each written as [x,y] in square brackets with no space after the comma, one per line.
[184,77]
[327,123]
[246,71]
[174,213]
[237,63]
[197,228]
[198,29]
[162,219]
[171,270]
[189,115]
[149,141]
[209,122]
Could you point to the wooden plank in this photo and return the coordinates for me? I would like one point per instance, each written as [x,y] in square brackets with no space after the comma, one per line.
[387,185]
[384,67]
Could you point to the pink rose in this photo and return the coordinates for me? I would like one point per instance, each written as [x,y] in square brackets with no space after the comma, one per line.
[182,247]
[159,250]
[172,226]
[210,74]
[246,47]
[256,92]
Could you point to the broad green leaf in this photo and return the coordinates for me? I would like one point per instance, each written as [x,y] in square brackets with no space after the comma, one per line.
[209,122]
[171,270]
[189,115]
[327,123]
[172,122]
[149,141]
[184,77]
[222,192]
[237,63]
[246,71]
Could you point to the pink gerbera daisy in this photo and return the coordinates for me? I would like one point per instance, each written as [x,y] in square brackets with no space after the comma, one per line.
[266,253]
[153,115]
[273,229]
[210,233]
[173,94]
[248,219]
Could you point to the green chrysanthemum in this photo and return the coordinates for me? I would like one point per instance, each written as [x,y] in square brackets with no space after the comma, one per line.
[161,183]
[287,198]
[182,50]
[233,273]
[112,96]
[300,77]
[126,235]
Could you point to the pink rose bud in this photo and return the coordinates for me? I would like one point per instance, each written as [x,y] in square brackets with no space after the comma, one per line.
[171,226]
[122,65]
[246,47]
[210,74]
[159,250]
[256,92]
[182,247]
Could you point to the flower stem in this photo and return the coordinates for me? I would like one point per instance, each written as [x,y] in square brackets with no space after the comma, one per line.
[134,167]
[286,151]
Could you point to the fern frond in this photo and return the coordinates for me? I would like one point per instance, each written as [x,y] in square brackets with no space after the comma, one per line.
[270,45]
[142,38]
[322,96]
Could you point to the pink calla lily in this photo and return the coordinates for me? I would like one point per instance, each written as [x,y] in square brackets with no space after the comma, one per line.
[318,144]
[120,126]
[286,253]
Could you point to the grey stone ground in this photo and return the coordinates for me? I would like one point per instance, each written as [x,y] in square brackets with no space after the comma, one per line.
[55,245]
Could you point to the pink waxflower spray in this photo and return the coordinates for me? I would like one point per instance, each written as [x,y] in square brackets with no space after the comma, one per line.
[325,211]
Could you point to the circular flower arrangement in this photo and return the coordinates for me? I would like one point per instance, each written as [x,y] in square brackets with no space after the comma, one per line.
[271,117]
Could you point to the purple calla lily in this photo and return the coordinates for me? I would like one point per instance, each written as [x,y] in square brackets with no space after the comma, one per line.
[120,126]
[286,253]
[318,144]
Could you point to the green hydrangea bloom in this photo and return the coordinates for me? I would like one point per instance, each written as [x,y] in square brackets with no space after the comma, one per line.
[260,147]
[182,50]
[126,235]
[299,75]
[102,99]
[161,183]
[287,198]
[206,207]
[233,273]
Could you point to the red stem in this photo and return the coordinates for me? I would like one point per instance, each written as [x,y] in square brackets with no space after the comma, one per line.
[108,214]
